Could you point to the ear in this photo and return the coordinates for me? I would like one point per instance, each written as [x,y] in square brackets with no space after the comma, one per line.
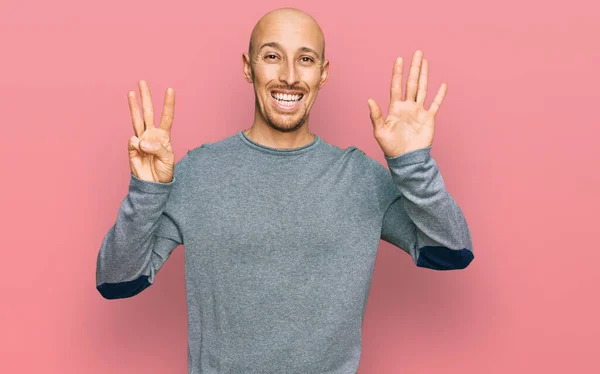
[247,67]
[324,73]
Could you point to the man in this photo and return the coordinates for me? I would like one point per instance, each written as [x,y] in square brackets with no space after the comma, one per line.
[280,228]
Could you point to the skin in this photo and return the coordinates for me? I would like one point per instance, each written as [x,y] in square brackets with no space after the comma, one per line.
[151,156]
[285,66]
[408,126]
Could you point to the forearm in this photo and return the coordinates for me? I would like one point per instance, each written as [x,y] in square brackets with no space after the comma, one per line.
[442,238]
[126,263]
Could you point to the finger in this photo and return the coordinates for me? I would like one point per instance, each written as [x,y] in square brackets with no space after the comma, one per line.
[437,101]
[134,146]
[147,104]
[135,161]
[168,113]
[396,85]
[413,76]
[160,150]
[423,82]
[136,116]
[375,114]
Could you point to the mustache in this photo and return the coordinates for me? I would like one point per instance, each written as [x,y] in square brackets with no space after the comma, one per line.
[288,88]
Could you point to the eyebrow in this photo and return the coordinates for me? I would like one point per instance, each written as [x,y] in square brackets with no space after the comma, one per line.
[278,46]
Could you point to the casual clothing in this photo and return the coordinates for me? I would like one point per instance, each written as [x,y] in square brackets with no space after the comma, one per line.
[280,246]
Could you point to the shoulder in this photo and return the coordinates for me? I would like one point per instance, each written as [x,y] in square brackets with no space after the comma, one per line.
[209,150]
[379,177]
[367,168]
[214,147]
[357,159]
[367,164]
[351,156]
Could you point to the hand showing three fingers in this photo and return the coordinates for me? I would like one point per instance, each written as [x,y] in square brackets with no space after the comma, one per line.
[408,125]
[151,156]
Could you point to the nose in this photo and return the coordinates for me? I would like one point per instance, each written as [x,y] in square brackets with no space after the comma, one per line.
[288,73]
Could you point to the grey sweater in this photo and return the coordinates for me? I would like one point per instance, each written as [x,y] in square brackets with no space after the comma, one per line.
[280,246]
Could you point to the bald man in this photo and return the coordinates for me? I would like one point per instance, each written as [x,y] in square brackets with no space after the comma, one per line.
[281,228]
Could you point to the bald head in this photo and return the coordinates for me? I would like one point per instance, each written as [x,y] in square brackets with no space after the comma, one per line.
[288,20]
[286,65]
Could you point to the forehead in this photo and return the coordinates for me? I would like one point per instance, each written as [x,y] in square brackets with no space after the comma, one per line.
[290,34]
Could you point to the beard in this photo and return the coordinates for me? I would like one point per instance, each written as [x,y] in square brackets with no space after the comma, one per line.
[283,122]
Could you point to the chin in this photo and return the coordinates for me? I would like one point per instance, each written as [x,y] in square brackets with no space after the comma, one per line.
[285,126]
[285,122]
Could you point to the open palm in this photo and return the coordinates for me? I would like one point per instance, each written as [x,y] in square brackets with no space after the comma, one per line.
[408,125]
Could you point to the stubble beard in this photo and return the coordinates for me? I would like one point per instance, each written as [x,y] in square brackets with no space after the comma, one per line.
[275,120]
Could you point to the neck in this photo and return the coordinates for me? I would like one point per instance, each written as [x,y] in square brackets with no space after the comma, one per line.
[264,134]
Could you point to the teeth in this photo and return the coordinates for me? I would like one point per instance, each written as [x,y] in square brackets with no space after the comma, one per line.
[286,97]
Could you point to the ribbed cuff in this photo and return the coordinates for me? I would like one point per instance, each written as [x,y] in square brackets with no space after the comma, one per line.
[150,187]
[413,157]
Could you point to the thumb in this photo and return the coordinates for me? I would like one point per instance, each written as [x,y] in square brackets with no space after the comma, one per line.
[155,148]
[375,113]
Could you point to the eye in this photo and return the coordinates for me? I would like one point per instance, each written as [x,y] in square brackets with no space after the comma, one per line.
[267,56]
[309,59]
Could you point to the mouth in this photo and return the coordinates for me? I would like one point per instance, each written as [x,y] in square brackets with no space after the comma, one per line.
[287,103]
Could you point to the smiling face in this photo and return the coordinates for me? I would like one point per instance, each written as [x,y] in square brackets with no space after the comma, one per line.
[287,67]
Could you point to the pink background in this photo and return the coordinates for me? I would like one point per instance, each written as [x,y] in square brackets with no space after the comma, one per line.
[516,141]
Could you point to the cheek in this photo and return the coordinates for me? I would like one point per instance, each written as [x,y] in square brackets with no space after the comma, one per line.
[265,74]
[312,79]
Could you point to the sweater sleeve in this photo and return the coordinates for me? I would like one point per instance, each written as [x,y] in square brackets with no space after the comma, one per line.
[141,240]
[423,219]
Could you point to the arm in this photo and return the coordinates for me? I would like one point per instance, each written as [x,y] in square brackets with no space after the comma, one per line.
[424,220]
[140,241]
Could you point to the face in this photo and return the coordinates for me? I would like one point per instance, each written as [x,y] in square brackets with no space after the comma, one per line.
[287,70]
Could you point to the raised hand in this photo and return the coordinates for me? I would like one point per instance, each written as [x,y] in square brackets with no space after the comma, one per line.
[151,157]
[408,125]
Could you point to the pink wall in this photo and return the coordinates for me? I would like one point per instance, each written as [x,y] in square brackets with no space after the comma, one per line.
[516,141]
